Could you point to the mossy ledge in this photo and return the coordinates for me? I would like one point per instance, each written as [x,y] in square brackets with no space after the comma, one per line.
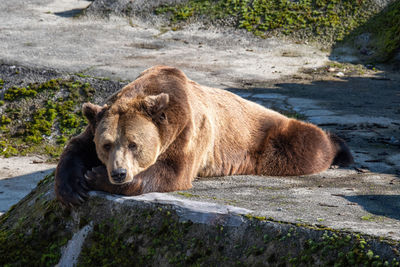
[54,114]
[40,109]
[382,34]
[314,20]
[159,229]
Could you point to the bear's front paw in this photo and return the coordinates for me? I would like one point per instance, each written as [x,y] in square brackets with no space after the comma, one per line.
[72,192]
[97,178]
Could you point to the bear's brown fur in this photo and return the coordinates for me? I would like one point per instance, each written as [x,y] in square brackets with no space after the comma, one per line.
[162,130]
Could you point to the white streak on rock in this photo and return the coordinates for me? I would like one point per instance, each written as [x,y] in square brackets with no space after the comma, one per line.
[71,252]
[195,211]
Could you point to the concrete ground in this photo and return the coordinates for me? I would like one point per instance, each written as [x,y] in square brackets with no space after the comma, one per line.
[18,176]
[45,33]
[363,108]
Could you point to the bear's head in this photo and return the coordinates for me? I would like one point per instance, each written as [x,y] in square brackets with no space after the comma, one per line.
[127,134]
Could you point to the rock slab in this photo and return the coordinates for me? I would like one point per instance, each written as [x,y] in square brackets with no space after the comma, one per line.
[162,229]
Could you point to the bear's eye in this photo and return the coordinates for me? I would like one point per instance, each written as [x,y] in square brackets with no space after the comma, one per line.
[163,117]
[132,146]
[107,147]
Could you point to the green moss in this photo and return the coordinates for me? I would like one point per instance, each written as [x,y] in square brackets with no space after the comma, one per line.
[34,238]
[47,179]
[4,120]
[61,140]
[21,249]
[251,217]
[48,127]
[108,248]
[188,195]
[81,75]
[160,237]
[7,150]
[41,124]
[146,237]
[367,217]
[348,250]
[14,93]
[327,20]
[385,32]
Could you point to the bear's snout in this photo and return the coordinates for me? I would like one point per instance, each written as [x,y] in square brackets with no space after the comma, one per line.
[118,175]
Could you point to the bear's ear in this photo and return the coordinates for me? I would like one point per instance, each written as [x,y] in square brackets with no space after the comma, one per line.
[155,106]
[93,112]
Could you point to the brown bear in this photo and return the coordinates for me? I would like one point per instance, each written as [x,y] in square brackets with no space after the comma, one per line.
[162,130]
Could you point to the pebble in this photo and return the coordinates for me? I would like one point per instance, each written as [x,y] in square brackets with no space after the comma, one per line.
[339,74]
[331,69]
[393,140]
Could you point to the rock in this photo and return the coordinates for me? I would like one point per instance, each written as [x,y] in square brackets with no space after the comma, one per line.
[161,229]
[339,74]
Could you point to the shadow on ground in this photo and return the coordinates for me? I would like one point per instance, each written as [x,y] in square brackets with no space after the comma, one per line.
[70,13]
[383,205]
[15,188]
[366,96]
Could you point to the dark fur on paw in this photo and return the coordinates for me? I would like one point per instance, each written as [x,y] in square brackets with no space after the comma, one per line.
[70,185]
[72,194]
[97,178]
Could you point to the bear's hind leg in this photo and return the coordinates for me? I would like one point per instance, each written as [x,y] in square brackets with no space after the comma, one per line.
[295,148]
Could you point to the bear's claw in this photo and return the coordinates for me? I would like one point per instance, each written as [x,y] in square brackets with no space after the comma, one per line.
[88,176]
[84,185]
[72,193]
[96,178]
[71,200]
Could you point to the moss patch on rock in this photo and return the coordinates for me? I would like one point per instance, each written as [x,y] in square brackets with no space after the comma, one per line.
[33,231]
[40,117]
[40,109]
[320,20]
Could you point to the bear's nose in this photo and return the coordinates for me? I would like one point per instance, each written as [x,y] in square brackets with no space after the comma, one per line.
[118,175]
